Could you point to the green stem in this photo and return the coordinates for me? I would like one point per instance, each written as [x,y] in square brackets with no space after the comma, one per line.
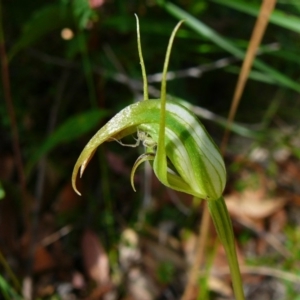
[221,219]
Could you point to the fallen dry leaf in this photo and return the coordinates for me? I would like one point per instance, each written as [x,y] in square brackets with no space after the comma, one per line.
[95,259]
[219,286]
[250,204]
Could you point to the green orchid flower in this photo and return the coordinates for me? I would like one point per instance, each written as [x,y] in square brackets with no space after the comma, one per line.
[184,156]
[187,160]
[181,152]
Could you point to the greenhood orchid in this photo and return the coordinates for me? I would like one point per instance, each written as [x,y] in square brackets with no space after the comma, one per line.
[184,156]
[181,152]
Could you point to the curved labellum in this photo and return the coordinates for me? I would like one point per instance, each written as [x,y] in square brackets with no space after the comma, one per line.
[187,161]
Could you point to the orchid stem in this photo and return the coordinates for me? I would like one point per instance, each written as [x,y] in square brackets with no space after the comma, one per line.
[223,225]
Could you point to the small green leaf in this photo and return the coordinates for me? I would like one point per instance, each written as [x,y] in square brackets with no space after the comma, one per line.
[71,129]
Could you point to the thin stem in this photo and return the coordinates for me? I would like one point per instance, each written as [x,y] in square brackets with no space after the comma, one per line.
[221,219]
[163,94]
[259,29]
[144,74]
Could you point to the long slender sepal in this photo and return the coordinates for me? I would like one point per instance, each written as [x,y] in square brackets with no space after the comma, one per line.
[144,73]
[160,162]
[142,158]
[223,225]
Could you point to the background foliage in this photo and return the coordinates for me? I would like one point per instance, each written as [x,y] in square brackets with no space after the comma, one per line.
[74,64]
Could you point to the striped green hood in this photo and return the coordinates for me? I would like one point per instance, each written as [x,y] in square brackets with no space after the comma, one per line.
[188,161]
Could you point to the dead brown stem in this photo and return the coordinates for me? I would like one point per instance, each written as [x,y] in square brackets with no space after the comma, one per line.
[257,35]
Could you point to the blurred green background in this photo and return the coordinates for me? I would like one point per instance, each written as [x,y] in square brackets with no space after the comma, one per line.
[73,64]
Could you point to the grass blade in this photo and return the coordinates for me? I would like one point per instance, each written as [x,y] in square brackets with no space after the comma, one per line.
[209,33]
[278,17]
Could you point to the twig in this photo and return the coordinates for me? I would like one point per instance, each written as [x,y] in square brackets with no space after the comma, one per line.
[134,84]
[50,239]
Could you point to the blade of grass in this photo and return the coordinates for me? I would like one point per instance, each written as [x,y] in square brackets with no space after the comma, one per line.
[222,42]
[278,17]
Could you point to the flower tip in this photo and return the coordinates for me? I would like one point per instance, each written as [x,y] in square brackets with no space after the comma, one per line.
[74,177]
[75,187]
[81,170]
[132,183]
[77,192]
